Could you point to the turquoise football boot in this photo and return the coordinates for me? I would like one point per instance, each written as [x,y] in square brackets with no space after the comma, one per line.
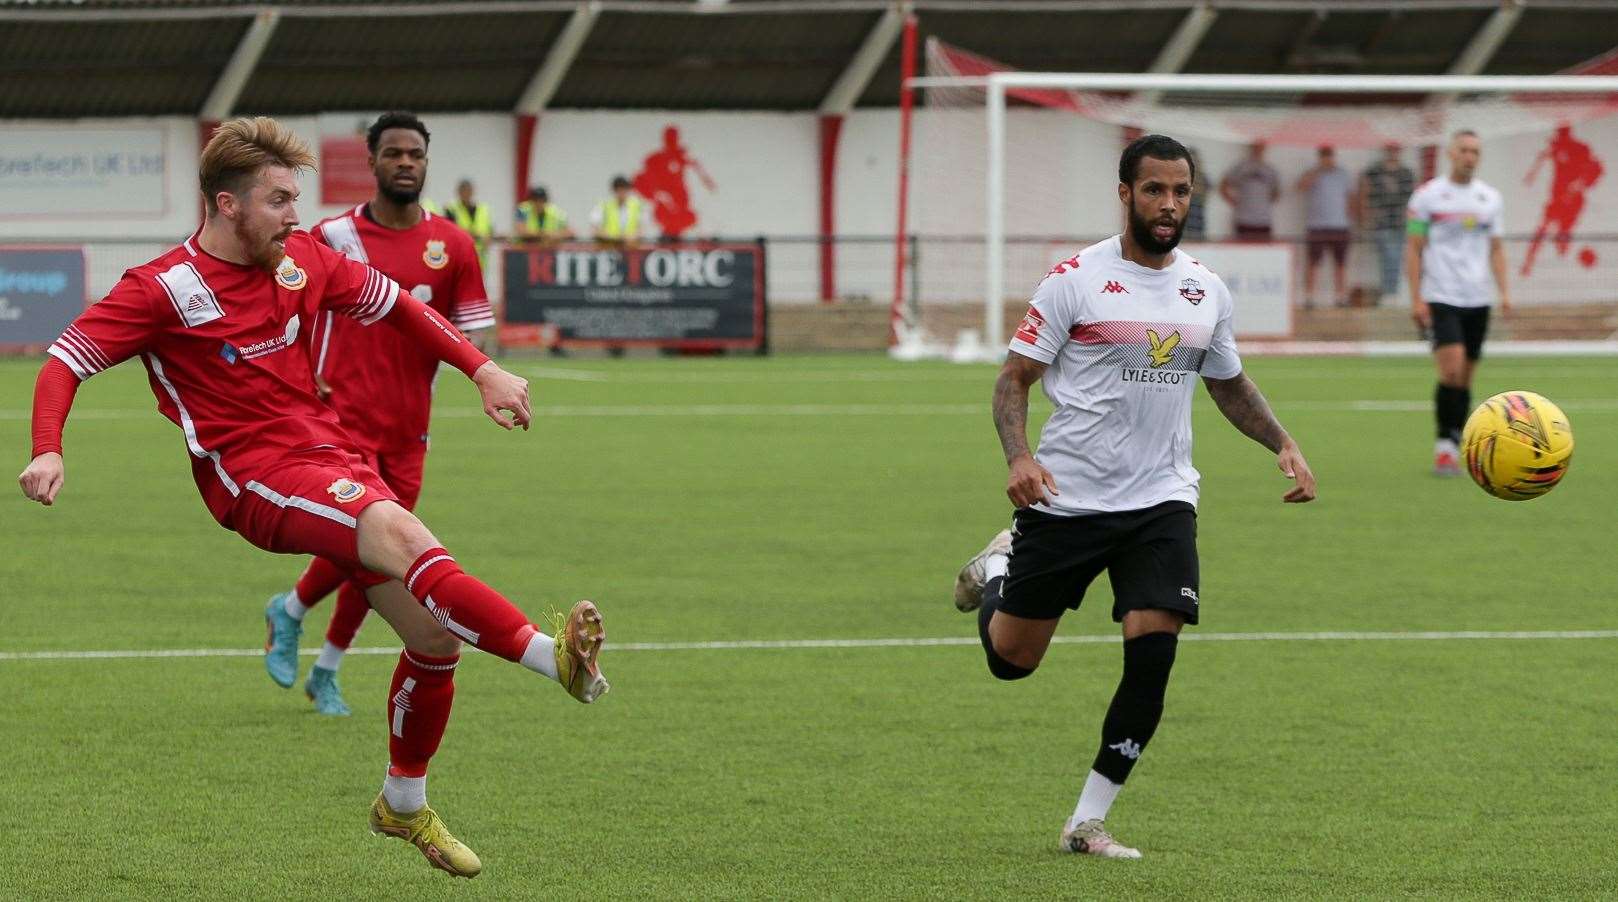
[321,687]
[281,642]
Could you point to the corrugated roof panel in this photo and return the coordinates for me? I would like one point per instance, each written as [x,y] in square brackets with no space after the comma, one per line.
[451,62]
[756,61]
[1099,41]
[1243,41]
[126,68]
[1425,42]
[1550,40]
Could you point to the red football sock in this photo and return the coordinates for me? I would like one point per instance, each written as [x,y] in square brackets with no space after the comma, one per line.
[351,610]
[418,710]
[466,607]
[320,579]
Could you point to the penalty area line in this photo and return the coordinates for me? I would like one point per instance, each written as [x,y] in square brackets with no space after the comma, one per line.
[897,642]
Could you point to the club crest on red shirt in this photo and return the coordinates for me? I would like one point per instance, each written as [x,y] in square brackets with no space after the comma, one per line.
[289,276]
[435,256]
[346,490]
[1191,290]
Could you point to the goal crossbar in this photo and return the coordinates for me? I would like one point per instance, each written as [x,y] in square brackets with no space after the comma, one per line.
[996,85]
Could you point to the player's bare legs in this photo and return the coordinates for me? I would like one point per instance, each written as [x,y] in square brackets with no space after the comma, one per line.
[393,542]
[1020,641]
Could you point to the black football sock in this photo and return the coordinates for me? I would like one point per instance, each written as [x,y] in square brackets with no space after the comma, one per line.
[1452,404]
[1000,667]
[1137,706]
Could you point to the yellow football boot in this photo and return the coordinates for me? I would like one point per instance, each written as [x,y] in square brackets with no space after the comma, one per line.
[578,652]
[426,831]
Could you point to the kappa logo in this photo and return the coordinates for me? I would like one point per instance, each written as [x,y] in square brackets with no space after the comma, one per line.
[1129,748]
[346,490]
[289,276]
[1114,288]
[1191,290]
[435,256]
[1162,348]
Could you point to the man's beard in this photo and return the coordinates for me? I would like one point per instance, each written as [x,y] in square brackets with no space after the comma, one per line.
[260,253]
[400,196]
[1141,230]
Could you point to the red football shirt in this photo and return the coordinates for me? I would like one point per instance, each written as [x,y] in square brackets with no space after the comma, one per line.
[382,384]
[227,347]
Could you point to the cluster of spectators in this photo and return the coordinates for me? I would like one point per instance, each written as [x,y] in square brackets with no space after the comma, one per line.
[1337,203]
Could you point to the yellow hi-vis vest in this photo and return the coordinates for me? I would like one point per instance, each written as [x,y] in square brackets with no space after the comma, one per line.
[474,221]
[546,221]
[612,226]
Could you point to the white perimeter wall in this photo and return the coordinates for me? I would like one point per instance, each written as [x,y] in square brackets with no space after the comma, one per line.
[766,168]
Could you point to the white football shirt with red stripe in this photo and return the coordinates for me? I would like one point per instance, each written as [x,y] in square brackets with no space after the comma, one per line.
[382,385]
[1125,347]
[228,353]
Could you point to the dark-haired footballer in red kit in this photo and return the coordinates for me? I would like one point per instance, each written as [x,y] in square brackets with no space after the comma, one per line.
[379,381]
[223,324]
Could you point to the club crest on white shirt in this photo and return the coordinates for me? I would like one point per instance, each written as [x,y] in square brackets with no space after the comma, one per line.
[1191,290]
[435,256]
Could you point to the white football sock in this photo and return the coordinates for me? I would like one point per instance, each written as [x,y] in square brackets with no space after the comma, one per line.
[540,656]
[330,656]
[405,795]
[295,608]
[996,565]
[1095,799]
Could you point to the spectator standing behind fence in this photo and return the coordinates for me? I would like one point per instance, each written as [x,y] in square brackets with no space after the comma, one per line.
[473,217]
[1385,189]
[1327,189]
[1251,187]
[540,222]
[1196,213]
[621,218]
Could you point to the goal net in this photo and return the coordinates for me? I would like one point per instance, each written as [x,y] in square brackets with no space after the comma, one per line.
[1010,173]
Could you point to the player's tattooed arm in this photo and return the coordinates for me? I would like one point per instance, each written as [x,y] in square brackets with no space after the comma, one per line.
[1245,407]
[1029,483]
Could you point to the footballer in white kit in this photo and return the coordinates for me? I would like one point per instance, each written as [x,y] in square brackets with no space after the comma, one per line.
[1119,335]
[1453,253]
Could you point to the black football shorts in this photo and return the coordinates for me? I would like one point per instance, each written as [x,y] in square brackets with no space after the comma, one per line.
[1150,556]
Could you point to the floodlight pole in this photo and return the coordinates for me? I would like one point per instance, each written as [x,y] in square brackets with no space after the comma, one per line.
[994,219]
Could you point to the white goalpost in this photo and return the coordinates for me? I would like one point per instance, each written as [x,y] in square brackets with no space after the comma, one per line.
[1222,113]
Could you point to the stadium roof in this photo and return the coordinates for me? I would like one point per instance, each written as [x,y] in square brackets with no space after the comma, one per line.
[61,58]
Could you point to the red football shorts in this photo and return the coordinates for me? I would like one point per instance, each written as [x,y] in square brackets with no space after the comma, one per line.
[310,503]
[401,470]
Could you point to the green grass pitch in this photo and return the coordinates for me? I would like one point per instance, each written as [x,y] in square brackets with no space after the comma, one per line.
[831,498]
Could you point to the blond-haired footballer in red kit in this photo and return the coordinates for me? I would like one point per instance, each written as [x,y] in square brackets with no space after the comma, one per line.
[223,324]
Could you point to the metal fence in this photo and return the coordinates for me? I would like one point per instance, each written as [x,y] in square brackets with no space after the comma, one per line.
[949,269]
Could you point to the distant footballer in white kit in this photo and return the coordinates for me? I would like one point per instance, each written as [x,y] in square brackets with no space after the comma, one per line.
[1453,247]
[1119,335]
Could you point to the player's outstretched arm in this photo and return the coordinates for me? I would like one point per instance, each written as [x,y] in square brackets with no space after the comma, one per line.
[505,396]
[1028,481]
[1245,407]
[42,479]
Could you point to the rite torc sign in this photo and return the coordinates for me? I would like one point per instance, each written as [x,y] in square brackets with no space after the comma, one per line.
[694,296]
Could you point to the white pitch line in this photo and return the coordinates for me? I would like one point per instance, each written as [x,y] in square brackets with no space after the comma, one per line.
[897,642]
[1586,405]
